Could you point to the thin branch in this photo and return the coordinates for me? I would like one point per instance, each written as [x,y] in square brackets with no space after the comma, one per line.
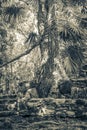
[25,53]
[19,56]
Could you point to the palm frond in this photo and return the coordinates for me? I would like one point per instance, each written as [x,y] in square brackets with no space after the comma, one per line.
[70,33]
[70,66]
[12,12]
[75,53]
[32,38]
[74,59]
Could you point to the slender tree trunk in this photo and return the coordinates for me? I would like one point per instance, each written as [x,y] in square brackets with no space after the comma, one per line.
[47,47]
[48,80]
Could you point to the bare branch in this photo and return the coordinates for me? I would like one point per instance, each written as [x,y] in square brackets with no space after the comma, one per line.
[25,53]
[19,56]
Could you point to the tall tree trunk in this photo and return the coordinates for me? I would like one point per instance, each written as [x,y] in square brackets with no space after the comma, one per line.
[48,80]
[45,78]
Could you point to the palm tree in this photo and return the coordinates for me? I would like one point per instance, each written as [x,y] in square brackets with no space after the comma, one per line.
[65,28]
[60,23]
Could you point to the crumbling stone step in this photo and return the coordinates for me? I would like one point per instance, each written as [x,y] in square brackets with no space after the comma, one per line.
[79,92]
[8,96]
[76,108]
[7,113]
[81,82]
[4,101]
[60,124]
[3,107]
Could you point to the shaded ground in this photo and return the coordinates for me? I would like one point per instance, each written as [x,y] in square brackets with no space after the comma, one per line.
[59,120]
[46,123]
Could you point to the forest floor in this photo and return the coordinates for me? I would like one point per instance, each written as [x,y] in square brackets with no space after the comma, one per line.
[46,123]
[60,114]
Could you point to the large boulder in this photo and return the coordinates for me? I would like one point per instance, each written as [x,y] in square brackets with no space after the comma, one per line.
[65,88]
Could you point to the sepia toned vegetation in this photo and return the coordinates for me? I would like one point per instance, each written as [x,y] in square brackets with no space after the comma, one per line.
[42,40]
[43,52]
